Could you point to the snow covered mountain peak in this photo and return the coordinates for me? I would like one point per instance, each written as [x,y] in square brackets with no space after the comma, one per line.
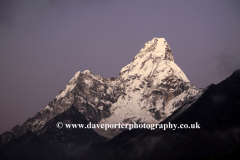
[87,72]
[155,58]
[148,90]
[153,86]
[158,47]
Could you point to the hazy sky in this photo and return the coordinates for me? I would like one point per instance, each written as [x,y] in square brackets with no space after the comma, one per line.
[43,43]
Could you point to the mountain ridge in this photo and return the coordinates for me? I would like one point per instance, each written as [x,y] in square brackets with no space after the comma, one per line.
[147,90]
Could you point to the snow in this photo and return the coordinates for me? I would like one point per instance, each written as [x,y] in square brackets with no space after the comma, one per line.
[47,107]
[87,72]
[178,72]
[186,94]
[147,63]
[148,66]
[100,108]
[67,89]
[72,84]
[88,82]
[160,49]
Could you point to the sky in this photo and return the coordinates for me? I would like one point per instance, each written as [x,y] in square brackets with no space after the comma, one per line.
[44,43]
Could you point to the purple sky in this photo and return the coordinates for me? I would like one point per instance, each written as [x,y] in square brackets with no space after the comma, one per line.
[44,43]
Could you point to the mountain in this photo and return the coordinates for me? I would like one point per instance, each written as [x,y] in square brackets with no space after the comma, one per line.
[154,86]
[147,90]
[151,89]
[51,142]
[72,140]
[216,111]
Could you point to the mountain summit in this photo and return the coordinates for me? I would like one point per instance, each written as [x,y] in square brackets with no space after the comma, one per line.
[147,90]
[147,60]
[153,86]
